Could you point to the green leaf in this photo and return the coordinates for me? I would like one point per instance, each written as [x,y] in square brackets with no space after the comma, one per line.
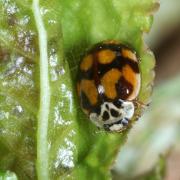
[7,176]
[43,132]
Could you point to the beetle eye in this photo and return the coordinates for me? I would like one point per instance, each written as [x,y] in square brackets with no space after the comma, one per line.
[118,103]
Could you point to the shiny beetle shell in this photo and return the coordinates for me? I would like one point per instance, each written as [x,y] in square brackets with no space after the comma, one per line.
[108,84]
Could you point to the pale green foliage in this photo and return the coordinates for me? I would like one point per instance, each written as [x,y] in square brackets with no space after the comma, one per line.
[7,176]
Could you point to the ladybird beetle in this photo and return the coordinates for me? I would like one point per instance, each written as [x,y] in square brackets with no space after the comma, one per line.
[108,85]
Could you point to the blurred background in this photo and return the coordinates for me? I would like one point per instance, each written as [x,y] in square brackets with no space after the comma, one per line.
[154,142]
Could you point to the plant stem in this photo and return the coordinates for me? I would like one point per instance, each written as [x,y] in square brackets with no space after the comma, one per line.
[42,126]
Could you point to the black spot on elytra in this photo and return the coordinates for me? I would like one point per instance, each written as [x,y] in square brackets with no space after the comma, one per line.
[133,65]
[85,103]
[122,61]
[114,113]
[85,74]
[118,63]
[105,116]
[124,88]
[97,110]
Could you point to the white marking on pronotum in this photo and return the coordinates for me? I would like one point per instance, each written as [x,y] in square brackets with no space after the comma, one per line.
[126,111]
[42,143]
